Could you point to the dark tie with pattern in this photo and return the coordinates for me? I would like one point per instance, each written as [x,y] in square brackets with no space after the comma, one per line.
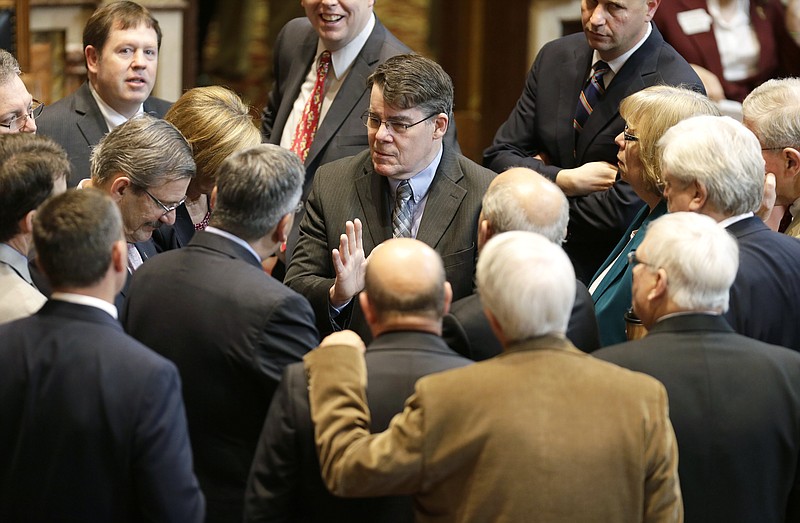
[591,94]
[401,215]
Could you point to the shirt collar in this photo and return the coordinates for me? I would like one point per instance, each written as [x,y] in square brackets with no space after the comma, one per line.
[113,118]
[16,260]
[727,222]
[235,239]
[343,58]
[420,182]
[90,301]
[617,63]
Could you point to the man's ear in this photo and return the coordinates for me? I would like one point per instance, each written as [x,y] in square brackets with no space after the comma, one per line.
[366,307]
[119,185]
[485,232]
[699,198]
[26,223]
[441,122]
[659,290]
[283,228]
[92,58]
[448,297]
[119,256]
[791,161]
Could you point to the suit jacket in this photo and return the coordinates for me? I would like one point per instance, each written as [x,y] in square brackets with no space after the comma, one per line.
[285,482]
[739,450]
[466,329]
[765,291]
[234,331]
[779,56]
[77,124]
[541,123]
[541,432]
[613,296]
[93,424]
[350,188]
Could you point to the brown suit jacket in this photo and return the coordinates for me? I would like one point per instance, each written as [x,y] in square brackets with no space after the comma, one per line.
[542,432]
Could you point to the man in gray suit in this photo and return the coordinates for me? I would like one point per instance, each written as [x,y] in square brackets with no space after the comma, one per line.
[440,191]
[121,41]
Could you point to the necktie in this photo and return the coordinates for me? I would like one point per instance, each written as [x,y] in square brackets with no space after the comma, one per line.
[591,94]
[786,220]
[307,128]
[134,258]
[401,215]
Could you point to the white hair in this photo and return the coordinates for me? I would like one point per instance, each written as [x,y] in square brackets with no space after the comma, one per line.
[772,112]
[721,154]
[528,284]
[699,256]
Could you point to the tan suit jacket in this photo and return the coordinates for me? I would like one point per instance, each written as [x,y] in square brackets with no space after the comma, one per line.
[542,432]
[794,227]
[18,298]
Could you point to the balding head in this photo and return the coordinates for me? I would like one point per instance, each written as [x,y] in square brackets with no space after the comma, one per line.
[521,199]
[405,287]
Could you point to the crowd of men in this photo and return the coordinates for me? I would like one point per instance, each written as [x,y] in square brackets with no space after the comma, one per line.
[421,351]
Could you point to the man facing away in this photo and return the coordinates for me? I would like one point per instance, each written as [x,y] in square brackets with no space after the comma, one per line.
[93,422]
[714,166]
[230,328]
[734,401]
[518,200]
[567,117]
[541,432]
[404,311]
[121,41]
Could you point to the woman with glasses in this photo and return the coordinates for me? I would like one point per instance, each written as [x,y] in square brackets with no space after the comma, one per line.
[216,123]
[647,114]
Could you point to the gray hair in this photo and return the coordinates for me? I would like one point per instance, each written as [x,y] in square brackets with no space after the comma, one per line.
[722,155]
[255,188]
[148,150]
[528,284]
[411,80]
[9,67]
[509,209]
[772,112]
[699,256]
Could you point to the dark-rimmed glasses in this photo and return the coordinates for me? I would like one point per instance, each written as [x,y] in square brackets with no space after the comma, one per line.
[393,126]
[18,122]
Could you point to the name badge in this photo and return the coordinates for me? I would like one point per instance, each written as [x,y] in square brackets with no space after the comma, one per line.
[694,21]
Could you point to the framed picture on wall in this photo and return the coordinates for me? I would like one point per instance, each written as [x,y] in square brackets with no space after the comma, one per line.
[14,29]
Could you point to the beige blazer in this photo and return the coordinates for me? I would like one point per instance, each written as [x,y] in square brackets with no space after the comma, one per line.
[18,298]
[543,432]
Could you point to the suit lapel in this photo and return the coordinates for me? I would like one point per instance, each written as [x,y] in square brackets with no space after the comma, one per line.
[91,124]
[569,87]
[373,196]
[444,199]
[297,74]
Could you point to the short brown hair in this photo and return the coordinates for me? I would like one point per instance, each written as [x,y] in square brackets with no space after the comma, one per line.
[117,15]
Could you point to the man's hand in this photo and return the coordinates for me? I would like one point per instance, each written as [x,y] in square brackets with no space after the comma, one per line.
[349,264]
[588,178]
[345,337]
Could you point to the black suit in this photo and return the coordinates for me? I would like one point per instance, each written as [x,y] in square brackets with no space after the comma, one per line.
[77,124]
[541,123]
[350,188]
[765,292]
[285,482]
[466,329]
[177,235]
[231,330]
[93,426]
[735,405]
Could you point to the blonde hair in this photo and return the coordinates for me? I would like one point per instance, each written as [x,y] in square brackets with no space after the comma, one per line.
[216,123]
[650,112]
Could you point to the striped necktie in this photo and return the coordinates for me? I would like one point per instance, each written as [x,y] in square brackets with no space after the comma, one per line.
[401,215]
[591,94]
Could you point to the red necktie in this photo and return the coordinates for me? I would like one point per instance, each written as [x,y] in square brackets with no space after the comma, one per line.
[307,128]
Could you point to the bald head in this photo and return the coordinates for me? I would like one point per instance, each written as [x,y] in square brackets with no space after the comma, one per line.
[404,285]
[521,199]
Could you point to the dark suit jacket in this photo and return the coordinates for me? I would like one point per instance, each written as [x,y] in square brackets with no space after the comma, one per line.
[350,188]
[764,294]
[77,124]
[466,330]
[231,330]
[779,56]
[93,424]
[285,482]
[541,122]
[735,406]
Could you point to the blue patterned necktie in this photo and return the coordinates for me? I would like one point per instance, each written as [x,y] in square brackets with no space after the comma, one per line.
[591,94]
[401,215]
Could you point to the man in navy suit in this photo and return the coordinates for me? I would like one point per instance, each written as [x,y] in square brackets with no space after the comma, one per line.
[713,165]
[238,327]
[734,401]
[541,133]
[404,312]
[93,422]
[518,200]
[121,41]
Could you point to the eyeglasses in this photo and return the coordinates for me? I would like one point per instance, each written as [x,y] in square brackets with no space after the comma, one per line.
[393,126]
[629,137]
[167,208]
[18,122]
[633,260]
[775,148]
